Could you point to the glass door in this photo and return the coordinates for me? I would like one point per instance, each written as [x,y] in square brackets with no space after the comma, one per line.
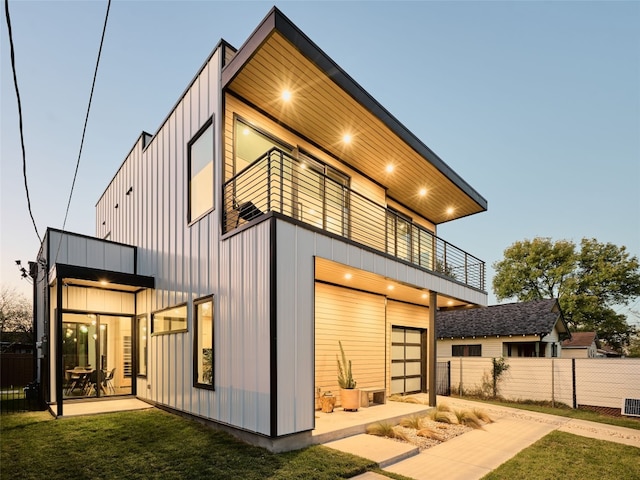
[97,355]
[116,356]
[80,348]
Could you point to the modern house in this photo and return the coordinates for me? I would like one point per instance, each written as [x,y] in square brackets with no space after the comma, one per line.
[278,210]
[526,329]
[581,345]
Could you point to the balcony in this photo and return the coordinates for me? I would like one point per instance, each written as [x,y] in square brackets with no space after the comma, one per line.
[277,182]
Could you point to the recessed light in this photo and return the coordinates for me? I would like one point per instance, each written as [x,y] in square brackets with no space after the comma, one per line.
[390,287]
[286,95]
[423,192]
[424,295]
[450,210]
[389,168]
[450,302]
[104,282]
[346,138]
[245,131]
[348,276]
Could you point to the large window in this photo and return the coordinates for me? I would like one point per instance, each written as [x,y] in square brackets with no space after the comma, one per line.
[466,350]
[201,172]
[203,343]
[170,320]
[142,346]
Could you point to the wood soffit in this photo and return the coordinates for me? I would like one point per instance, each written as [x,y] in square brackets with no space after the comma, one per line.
[326,104]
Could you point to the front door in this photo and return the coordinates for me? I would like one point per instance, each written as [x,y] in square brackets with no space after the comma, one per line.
[97,355]
[407,361]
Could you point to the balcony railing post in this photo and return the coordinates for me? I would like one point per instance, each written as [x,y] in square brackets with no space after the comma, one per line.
[466,269]
[269,182]
[282,184]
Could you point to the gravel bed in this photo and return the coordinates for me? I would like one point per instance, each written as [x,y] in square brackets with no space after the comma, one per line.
[444,431]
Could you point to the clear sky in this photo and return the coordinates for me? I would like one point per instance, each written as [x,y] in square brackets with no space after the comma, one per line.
[535,104]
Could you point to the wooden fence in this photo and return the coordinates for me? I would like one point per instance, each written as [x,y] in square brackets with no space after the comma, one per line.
[588,382]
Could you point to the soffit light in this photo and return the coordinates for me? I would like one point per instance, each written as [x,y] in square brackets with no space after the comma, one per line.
[390,168]
[346,138]
[390,287]
[423,192]
[286,95]
[348,276]
[424,295]
[450,210]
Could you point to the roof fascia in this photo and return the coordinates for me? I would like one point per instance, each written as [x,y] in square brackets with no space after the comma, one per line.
[276,20]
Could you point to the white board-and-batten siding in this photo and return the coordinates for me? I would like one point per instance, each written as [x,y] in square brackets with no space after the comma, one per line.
[185,260]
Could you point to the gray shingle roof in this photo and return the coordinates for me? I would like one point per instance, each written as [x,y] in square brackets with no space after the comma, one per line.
[537,317]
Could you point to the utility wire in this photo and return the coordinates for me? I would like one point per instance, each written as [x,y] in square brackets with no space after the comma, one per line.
[15,84]
[84,129]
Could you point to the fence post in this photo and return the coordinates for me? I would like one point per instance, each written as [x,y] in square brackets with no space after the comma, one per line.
[573,381]
[461,391]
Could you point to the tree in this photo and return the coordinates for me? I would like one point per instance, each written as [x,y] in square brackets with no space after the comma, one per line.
[16,314]
[588,282]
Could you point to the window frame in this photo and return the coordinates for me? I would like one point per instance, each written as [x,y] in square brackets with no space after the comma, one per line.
[196,332]
[168,332]
[208,124]
[467,349]
[139,356]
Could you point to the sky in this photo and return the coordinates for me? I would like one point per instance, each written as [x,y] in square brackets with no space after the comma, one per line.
[535,104]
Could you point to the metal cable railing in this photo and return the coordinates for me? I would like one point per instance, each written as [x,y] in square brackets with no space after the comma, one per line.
[277,182]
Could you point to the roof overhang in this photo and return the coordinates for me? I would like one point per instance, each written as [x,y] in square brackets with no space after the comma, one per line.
[96,278]
[327,103]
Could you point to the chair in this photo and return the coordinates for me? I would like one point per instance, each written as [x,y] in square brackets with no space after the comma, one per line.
[108,380]
[247,211]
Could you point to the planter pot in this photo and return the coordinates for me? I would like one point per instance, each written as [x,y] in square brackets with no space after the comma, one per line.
[327,402]
[350,399]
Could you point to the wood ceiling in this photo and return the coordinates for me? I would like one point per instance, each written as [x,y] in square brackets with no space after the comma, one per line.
[326,104]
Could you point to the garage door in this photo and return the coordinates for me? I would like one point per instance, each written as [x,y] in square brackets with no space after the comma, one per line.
[407,361]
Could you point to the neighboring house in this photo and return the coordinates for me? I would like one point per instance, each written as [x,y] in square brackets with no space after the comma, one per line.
[278,210]
[581,345]
[527,329]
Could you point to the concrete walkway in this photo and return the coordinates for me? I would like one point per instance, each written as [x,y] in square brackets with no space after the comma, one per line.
[476,453]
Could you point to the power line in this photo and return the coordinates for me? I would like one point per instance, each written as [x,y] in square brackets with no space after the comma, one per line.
[15,84]
[84,129]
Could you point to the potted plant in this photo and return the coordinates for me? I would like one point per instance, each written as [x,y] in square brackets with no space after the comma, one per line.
[349,394]
[327,402]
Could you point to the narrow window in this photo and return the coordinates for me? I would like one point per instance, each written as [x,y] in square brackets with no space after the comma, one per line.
[466,350]
[201,181]
[170,320]
[203,343]
[142,346]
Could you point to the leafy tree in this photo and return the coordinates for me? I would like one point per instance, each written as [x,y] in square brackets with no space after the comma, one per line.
[587,281]
[16,314]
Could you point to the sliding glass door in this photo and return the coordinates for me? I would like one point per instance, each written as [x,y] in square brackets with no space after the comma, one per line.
[97,352]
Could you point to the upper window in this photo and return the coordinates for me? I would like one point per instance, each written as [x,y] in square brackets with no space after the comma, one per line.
[170,320]
[251,144]
[466,350]
[201,172]
[203,343]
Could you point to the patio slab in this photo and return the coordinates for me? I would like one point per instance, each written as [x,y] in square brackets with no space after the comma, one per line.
[383,451]
[341,424]
[74,409]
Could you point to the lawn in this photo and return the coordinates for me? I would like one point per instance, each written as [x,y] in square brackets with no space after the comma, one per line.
[570,457]
[151,444]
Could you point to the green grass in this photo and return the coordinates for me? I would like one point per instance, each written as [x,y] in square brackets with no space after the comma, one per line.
[570,457]
[151,444]
[565,411]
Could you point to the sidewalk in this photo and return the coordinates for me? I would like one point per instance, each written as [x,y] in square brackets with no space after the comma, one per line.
[476,453]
